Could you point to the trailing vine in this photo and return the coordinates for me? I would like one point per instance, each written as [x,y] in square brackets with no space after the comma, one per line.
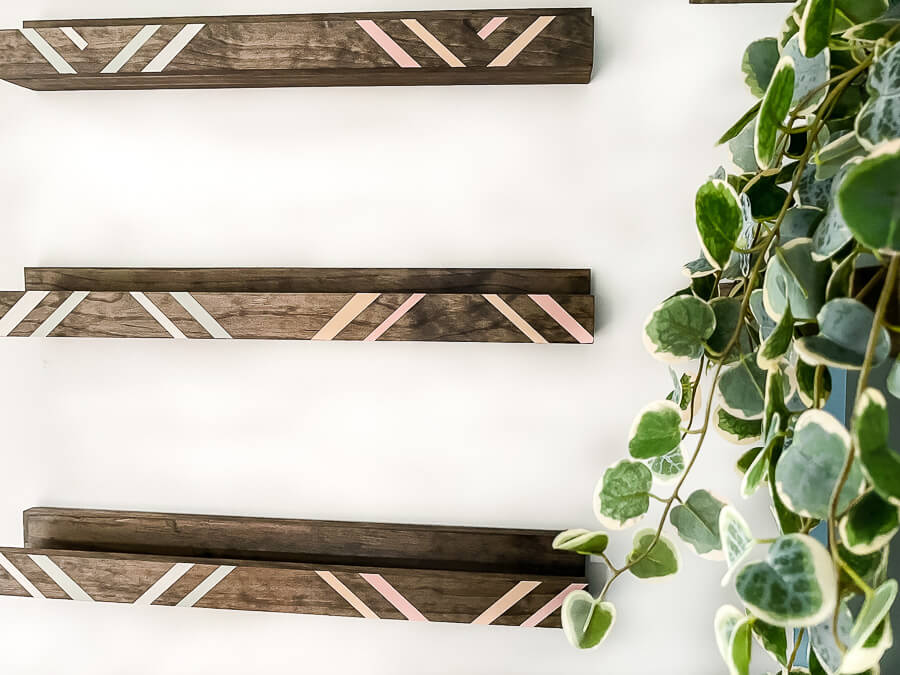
[794,244]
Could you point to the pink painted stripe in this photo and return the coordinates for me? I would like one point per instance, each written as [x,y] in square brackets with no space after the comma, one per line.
[347,594]
[490,27]
[563,318]
[385,41]
[391,594]
[551,606]
[395,317]
[510,598]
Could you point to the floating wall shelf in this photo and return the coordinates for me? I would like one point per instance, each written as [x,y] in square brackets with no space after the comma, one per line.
[377,571]
[510,46]
[444,305]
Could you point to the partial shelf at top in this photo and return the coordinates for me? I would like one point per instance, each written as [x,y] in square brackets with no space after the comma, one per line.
[509,46]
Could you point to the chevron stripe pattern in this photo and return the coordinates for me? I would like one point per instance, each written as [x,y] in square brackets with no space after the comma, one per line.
[405,595]
[368,317]
[378,48]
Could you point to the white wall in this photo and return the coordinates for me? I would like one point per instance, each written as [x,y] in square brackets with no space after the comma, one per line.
[599,176]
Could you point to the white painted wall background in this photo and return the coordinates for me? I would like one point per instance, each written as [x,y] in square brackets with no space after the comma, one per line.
[599,176]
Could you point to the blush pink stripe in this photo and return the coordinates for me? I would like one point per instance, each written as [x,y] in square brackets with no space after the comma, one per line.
[395,317]
[551,606]
[391,594]
[502,606]
[347,594]
[563,318]
[490,27]
[384,41]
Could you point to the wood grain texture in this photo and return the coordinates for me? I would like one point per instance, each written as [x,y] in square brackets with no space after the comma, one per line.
[321,542]
[434,595]
[461,317]
[309,280]
[385,48]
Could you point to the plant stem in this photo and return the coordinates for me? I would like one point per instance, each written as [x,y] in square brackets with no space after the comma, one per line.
[797,642]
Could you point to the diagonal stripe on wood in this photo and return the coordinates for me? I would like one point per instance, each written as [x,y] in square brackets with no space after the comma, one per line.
[436,45]
[499,608]
[20,578]
[515,318]
[53,57]
[551,606]
[206,585]
[174,48]
[346,315]
[63,580]
[386,42]
[347,594]
[164,583]
[563,318]
[404,606]
[515,48]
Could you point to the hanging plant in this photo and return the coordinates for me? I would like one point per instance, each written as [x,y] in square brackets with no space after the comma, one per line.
[798,275]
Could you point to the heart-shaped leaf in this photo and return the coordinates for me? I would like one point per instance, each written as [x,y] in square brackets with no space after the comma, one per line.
[869,196]
[874,610]
[728,318]
[719,221]
[586,622]
[649,560]
[832,234]
[808,471]
[806,383]
[795,586]
[844,327]
[815,27]
[773,639]
[870,433]
[677,329]
[697,523]
[774,111]
[584,542]
[742,387]
[774,347]
[733,639]
[879,120]
[735,429]
[869,525]
[833,156]
[760,59]
[667,467]
[799,223]
[623,494]
[795,278]
[655,431]
[737,540]
[810,76]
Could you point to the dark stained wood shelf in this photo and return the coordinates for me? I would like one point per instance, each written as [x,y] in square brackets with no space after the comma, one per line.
[525,46]
[537,306]
[378,571]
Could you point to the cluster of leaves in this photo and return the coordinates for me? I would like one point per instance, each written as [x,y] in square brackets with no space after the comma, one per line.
[800,260]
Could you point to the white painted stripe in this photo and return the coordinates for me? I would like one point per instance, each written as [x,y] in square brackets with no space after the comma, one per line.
[164,583]
[157,314]
[75,37]
[515,47]
[19,577]
[130,49]
[436,45]
[346,315]
[60,313]
[173,49]
[515,318]
[206,586]
[17,313]
[201,316]
[53,57]
[63,580]
[348,595]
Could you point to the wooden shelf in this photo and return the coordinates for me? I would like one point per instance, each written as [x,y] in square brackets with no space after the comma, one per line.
[510,46]
[539,306]
[377,571]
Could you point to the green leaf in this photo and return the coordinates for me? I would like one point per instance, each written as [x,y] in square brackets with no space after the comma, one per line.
[833,156]
[586,622]
[863,641]
[879,120]
[807,473]
[584,542]
[668,467]
[860,11]
[737,540]
[741,124]
[733,639]
[815,27]
[822,643]
[893,379]
[873,612]
[697,523]
[870,434]
[773,639]
[869,198]
[678,328]
[719,220]
[811,74]
[773,112]
[788,522]
[766,198]
[661,561]
[870,568]
[742,387]
[685,395]
[795,278]
[742,149]
[844,326]
[728,315]
[760,59]
[869,524]
[832,233]
[655,431]
[746,460]
[806,383]
[623,495]
[763,320]
[839,283]
[812,190]
[884,76]
[800,223]
[735,429]
[698,268]
[756,473]
[773,349]
[794,586]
